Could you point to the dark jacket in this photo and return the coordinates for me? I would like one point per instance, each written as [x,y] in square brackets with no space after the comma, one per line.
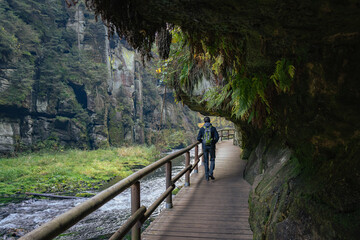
[214,135]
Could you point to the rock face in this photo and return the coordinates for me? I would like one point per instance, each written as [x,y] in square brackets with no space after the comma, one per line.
[68,85]
[304,148]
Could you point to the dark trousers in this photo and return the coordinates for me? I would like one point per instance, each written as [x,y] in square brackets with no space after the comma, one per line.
[209,151]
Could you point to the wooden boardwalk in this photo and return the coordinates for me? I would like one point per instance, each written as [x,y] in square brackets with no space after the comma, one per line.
[217,209]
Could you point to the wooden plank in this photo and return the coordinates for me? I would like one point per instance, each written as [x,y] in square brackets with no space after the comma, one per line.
[209,210]
[241,225]
[207,235]
[181,221]
[204,228]
[200,216]
[170,237]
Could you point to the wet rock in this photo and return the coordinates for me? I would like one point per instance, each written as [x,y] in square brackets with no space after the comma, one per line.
[4,84]
[9,131]
[41,106]
[15,233]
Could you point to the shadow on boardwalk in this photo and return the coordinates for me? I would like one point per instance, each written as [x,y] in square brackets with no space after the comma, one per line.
[216,209]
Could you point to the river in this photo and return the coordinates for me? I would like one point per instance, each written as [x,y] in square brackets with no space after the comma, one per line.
[16,218]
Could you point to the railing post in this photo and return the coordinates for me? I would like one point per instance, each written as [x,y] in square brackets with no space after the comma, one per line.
[135,205]
[187,174]
[196,169]
[202,157]
[228,134]
[168,184]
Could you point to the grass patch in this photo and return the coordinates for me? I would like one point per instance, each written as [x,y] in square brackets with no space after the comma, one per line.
[70,171]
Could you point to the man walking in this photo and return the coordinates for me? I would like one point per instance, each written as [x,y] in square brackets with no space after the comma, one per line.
[209,137]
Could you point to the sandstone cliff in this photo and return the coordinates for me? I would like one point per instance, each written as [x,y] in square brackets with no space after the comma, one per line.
[63,82]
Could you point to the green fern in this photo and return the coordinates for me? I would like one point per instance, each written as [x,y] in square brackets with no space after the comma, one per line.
[283,75]
[243,93]
[216,96]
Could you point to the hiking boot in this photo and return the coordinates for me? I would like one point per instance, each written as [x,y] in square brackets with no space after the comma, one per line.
[212,177]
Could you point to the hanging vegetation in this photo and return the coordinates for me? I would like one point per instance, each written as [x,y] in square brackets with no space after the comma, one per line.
[242,93]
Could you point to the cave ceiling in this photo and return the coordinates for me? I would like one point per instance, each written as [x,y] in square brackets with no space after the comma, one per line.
[139,20]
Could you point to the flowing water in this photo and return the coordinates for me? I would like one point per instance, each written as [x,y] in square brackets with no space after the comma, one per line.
[16,218]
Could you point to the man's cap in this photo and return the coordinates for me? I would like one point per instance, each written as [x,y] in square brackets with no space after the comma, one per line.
[206,119]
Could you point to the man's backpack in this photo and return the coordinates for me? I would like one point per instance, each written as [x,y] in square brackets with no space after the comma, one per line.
[207,136]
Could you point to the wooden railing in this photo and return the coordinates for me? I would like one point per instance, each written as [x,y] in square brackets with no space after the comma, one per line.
[227,133]
[139,214]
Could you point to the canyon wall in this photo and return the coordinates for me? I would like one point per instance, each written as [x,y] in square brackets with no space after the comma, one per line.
[65,83]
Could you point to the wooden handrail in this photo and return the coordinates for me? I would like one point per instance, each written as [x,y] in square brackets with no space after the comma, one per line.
[66,220]
[228,135]
[125,228]
[152,208]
